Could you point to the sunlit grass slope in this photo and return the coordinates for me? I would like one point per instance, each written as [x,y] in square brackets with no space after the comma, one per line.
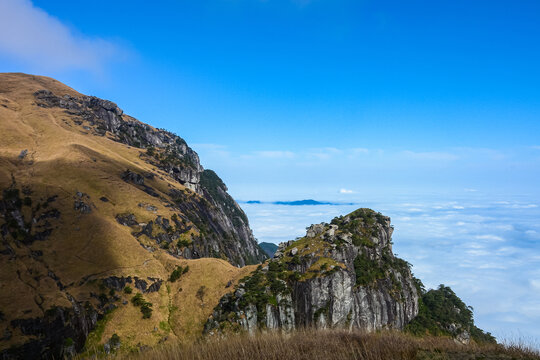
[62,159]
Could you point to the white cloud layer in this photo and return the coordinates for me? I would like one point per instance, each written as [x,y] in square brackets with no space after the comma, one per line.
[490,258]
[30,35]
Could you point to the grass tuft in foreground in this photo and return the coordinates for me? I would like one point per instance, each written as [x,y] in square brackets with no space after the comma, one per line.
[334,344]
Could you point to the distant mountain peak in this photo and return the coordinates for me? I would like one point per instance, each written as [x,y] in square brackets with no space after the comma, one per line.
[297,202]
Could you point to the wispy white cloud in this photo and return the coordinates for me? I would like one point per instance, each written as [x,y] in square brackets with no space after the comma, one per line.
[275,154]
[489,237]
[346,191]
[431,155]
[213,150]
[30,35]
[324,153]
[358,151]
[535,283]
[524,206]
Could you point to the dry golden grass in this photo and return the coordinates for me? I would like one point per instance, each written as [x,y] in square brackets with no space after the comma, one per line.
[64,158]
[331,345]
[178,315]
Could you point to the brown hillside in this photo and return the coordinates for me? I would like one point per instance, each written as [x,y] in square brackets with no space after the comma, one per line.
[63,186]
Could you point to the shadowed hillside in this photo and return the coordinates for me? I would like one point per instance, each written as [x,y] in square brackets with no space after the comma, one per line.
[92,202]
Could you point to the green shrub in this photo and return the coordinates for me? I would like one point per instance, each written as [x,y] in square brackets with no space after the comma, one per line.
[138,299]
[128,290]
[145,306]
[115,340]
[175,275]
[183,243]
[146,310]
[103,298]
[441,307]
[367,271]
[68,342]
[296,260]
[163,325]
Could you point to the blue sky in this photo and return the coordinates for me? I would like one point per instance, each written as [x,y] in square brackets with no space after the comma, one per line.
[428,111]
[444,93]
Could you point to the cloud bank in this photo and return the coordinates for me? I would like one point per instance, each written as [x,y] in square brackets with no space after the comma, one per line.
[30,35]
[486,250]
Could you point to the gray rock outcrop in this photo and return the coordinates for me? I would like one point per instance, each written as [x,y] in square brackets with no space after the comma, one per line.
[340,275]
[223,226]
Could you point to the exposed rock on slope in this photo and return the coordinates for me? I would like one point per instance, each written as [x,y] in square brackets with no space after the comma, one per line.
[92,200]
[224,225]
[341,274]
[105,118]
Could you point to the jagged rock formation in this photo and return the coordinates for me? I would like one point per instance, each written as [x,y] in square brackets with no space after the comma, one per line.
[94,202]
[223,224]
[105,118]
[341,274]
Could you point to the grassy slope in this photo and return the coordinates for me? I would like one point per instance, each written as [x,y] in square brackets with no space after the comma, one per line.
[63,159]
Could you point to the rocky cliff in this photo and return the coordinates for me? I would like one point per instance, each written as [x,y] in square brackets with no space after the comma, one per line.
[97,207]
[222,225]
[341,274]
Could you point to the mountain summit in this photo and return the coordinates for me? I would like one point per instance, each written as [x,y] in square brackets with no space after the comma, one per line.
[93,202]
[341,274]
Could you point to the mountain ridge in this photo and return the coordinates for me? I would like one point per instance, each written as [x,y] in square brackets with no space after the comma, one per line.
[91,198]
[115,238]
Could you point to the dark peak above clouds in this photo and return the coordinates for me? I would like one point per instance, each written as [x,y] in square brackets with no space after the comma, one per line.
[296,202]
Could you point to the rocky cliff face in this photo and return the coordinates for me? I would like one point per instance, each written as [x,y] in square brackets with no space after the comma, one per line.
[341,274]
[95,208]
[222,225]
[105,118]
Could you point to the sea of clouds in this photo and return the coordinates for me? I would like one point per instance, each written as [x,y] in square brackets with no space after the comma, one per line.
[487,248]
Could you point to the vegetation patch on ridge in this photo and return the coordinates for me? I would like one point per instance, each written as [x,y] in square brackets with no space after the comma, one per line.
[442,312]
